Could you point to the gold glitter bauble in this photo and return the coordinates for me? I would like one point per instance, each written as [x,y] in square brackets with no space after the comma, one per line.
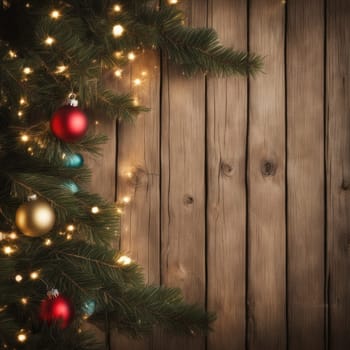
[35,218]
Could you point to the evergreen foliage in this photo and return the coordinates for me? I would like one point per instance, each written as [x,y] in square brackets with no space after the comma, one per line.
[35,79]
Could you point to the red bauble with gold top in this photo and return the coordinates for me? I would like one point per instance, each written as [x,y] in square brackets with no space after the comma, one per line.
[57,309]
[69,124]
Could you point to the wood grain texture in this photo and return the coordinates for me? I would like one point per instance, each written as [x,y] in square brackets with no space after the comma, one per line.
[305,174]
[338,172]
[182,184]
[138,153]
[266,182]
[226,208]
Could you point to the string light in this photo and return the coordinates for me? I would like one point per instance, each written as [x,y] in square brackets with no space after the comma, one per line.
[137,82]
[18,278]
[124,260]
[69,236]
[55,14]
[118,54]
[61,69]
[119,210]
[143,73]
[22,337]
[12,54]
[117,8]
[24,301]
[48,242]
[34,275]
[173,2]
[131,56]
[95,210]
[126,199]
[20,113]
[24,138]
[118,73]
[118,30]
[27,70]
[22,101]
[8,250]
[70,228]
[49,40]
[13,235]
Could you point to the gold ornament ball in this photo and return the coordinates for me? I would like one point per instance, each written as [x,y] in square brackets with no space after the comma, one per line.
[35,218]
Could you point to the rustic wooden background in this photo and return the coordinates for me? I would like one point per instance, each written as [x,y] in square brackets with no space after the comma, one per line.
[241,187]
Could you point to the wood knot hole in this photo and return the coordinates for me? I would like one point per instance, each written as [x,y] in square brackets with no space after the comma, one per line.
[188,199]
[268,168]
[345,185]
[226,169]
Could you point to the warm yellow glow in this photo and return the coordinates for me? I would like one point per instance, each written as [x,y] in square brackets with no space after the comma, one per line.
[173,2]
[97,122]
[20,113]
[27,70]
[13,235]
[34,275]
[18,278]
[95,210]
[24,138]
[12,54]
[124,260]
[70,228]
[69,236]
[22,101]
[27,5]
[118,30]
[117,8]
[143,73]
[24,301]
[8,250]
[29,149]
[137,82]
[119,210]
[55,14]
[118,54]
[129,174]
[48,242]
[131,56]
[61,69]
[136,101]
[118,73]
[49,40]
[21,337]
[126,199]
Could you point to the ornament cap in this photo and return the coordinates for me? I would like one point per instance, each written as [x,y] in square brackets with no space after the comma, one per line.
[52,293]
[72,100]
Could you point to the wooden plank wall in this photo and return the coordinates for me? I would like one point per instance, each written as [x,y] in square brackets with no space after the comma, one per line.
[240,188]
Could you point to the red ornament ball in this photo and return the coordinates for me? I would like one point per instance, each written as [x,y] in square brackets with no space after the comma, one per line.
[58,309]
[69,123]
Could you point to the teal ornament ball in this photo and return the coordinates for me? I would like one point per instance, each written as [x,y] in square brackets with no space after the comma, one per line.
[74,160]
[72,186]
[89,307]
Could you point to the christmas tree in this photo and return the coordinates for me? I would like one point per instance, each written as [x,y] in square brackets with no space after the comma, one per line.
[57,265]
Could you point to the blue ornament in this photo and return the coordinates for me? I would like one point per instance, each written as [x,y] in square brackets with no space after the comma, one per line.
[89,307]
[72,186]
[74,160]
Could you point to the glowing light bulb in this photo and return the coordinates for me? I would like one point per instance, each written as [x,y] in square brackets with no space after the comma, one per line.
[173,2]
[27,70]
[24,301]
[126,199]
[22,101]
[21,337]
[8,250]
[119,210]
[95,210]
[117,8]
[118,54]
[124,260]
[129,174]
[118,30]
[137,82]
[24,138]
[70,228]
[49,40]
[55,14]
[48,242]
[131,56]
[13,235]
[61,69]
[34,275]
[118,73]
[12,54]
[18,278]
[69,237]
[20,113]
[143,73]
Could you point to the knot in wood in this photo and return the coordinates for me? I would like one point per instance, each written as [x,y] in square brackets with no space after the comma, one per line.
[345,185]
[268,168]
[226,169]
[188,199]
